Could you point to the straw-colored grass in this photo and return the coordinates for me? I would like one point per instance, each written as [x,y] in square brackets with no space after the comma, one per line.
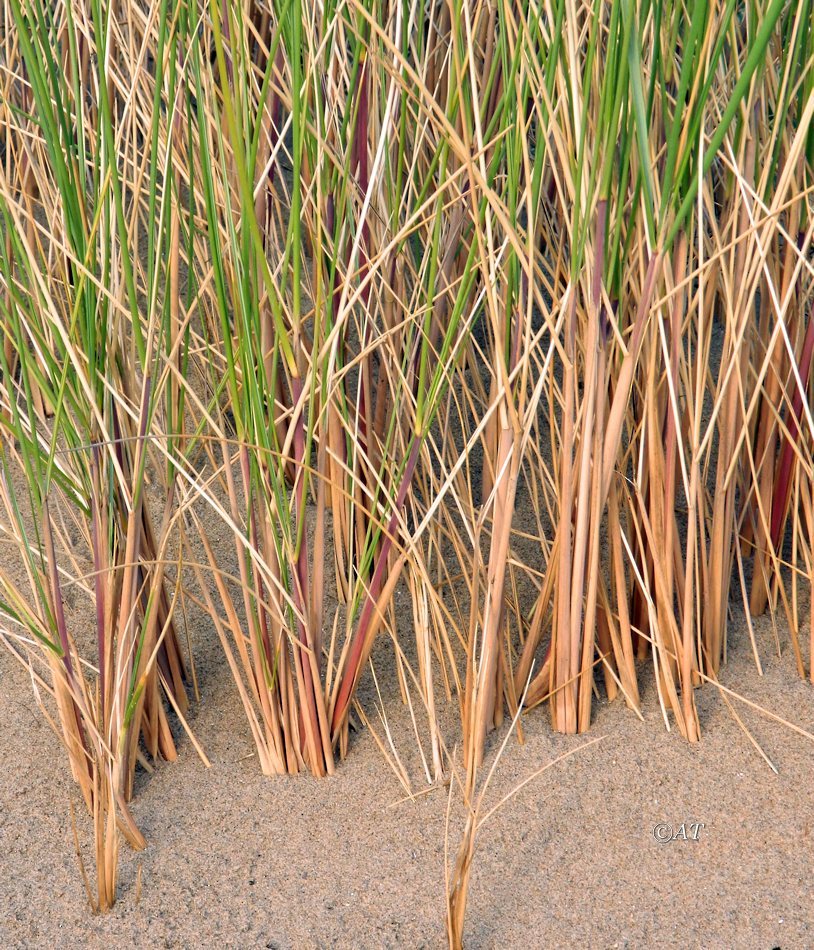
[357,282]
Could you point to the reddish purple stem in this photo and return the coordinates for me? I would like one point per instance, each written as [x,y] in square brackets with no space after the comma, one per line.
[371,599]
[99,589]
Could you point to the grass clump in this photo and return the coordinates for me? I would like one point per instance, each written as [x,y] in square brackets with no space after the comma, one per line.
[359,283]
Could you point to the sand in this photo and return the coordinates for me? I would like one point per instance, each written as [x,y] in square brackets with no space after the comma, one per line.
[236,859]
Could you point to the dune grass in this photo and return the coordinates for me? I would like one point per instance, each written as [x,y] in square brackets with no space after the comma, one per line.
[503,305]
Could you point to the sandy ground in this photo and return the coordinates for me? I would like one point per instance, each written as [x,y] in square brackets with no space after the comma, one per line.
[235,859]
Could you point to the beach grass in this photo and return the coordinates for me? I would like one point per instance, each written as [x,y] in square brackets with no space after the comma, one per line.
[481,328]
